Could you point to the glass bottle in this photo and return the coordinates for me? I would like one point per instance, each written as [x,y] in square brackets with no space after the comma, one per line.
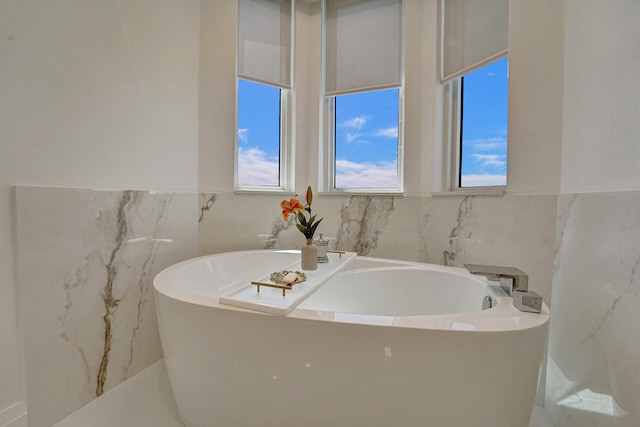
[321,243]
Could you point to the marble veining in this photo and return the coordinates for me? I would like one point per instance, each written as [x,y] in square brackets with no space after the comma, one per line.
[145,279]
[563,217]
[424,233]
[362,220]
[627,289]
[70,285]
[279,225]
[456,248]
[110,303]
[205,207]
[86,268]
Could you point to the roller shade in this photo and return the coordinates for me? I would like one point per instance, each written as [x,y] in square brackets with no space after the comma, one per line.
[264,41]
[474,33]
[363,45]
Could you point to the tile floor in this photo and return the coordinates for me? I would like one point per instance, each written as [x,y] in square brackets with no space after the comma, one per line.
[145,400]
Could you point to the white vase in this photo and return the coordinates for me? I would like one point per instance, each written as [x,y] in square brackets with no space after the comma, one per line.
[309,256]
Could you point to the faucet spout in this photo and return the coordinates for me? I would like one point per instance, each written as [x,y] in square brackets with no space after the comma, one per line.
[516,280]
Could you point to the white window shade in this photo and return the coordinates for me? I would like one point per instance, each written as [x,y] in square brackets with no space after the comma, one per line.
[363,45]
[474,33]
[264,41]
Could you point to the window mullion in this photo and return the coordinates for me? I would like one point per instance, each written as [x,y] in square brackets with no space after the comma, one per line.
[457,142]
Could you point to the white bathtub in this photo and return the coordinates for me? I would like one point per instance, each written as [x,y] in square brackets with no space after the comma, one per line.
[383,343]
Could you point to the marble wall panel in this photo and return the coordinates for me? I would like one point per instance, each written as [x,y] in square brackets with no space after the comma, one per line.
[86,261]
[384,227]
[450,230]
[233,222]
[594,374]
[374,226]
[586,245]
[507,230]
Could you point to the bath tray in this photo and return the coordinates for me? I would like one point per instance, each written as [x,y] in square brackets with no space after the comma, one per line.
[273,300]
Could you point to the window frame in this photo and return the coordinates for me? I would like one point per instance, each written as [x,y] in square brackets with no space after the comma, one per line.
[451,151]
[285,164]
[327,172]
[327,125]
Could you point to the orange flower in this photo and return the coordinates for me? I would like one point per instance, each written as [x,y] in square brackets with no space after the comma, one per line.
[307,224]
[290,206]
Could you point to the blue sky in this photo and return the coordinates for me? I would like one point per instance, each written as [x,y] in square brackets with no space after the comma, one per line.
[367,133]
[367,140]
[258,134]
[484,126]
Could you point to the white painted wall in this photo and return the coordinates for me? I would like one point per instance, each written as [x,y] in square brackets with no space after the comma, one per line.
[601,144]
[421,87]
[218,22]
[93,94]
[535,96]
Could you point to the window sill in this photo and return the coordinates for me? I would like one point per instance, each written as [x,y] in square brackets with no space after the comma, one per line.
[472,191]
[360,192]
[279,191]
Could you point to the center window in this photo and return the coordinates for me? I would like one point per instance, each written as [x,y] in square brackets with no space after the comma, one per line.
[363,86]
[483,126]
[474,51]
[366,140]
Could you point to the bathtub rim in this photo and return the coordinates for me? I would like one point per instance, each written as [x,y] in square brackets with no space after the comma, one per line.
[503,317]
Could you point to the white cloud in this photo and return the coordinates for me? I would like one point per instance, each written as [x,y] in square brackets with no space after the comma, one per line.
[256,168]
[366,175]
[490,160]
[391,132]
[487,143]
[355,123]
[243,135]
[352,137]
[476,180]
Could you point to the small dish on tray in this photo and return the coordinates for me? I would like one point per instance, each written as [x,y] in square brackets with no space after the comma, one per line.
[279,277]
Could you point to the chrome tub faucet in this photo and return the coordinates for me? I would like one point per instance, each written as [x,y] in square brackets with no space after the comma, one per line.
[513,281]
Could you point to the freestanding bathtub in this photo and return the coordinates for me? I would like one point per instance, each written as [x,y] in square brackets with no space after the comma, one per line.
[381,343]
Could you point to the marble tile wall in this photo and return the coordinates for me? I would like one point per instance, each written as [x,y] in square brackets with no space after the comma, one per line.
[450,230]
[594,350]
[86,261]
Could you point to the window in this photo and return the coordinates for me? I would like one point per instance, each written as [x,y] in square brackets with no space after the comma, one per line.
[474,48]
[366,140]
[263,143]
[259,131]
[363,80]
[483,126]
